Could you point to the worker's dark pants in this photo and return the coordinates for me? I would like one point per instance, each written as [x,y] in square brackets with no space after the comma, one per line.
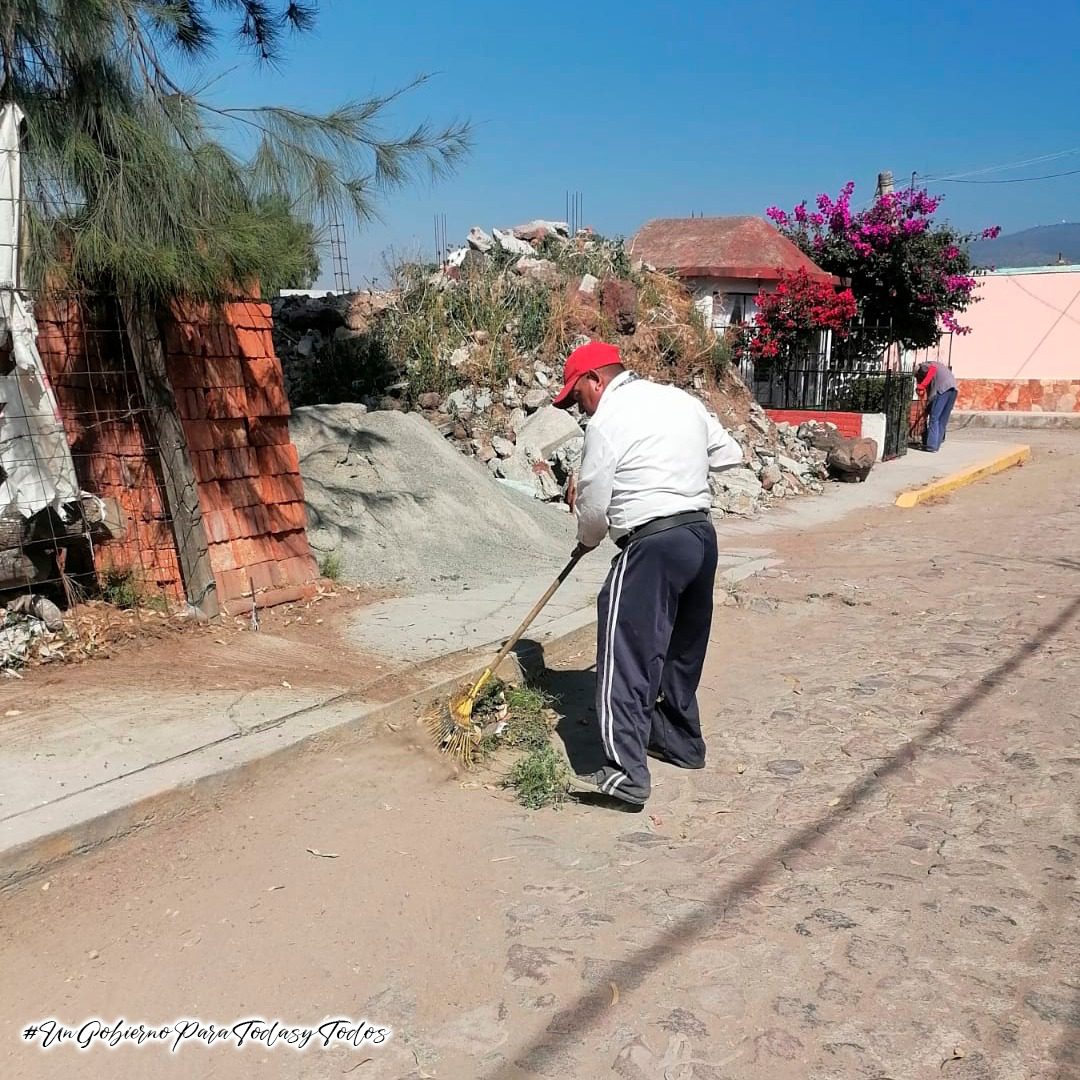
[938,418]
[655,614]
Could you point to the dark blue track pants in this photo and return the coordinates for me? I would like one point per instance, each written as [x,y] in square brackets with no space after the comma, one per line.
[655,614]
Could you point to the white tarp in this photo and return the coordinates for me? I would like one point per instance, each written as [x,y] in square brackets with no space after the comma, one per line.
[34,455]
[10,194]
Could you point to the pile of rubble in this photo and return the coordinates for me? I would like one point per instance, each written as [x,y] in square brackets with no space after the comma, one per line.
[508,423]
[779,462]
[28,625]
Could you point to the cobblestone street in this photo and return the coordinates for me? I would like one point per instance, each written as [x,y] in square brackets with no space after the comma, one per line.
[873,879]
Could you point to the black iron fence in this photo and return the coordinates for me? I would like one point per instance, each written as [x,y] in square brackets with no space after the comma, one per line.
[860,373]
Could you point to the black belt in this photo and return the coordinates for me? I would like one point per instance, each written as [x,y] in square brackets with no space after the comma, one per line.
[659,525]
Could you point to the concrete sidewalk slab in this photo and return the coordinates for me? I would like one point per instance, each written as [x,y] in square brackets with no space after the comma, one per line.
[71,779]
[419,628]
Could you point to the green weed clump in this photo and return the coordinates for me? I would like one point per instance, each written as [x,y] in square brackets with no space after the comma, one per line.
[541,778]
[518,718]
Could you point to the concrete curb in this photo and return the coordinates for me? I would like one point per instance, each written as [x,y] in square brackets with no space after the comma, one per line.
[186,784]
[1016,455]
[1031,421]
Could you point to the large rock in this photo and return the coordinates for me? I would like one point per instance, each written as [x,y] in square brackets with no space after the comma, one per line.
[771,475]
[619,303]
[535,232]
[851,460]
[548,429]
[583,306]
[511,244]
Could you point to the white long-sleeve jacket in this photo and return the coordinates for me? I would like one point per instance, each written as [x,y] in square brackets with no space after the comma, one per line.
[648,452]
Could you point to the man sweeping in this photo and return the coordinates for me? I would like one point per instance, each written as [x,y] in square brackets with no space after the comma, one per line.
[644,479]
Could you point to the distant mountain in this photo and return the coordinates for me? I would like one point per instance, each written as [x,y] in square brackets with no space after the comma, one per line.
[1041,246]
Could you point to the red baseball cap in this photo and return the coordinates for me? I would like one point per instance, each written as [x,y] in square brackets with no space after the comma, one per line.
[585,358]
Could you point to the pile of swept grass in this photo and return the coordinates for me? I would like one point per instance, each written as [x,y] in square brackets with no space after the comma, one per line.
[519,719]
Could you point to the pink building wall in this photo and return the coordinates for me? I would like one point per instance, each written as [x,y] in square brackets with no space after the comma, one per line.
[1023,352]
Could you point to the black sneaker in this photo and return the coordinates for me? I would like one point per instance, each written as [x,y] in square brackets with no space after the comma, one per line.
[662,755]
[609,782]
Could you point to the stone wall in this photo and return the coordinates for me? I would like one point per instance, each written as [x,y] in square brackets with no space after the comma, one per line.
[1019,395]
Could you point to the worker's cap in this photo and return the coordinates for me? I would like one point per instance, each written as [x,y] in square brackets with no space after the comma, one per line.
[585,358]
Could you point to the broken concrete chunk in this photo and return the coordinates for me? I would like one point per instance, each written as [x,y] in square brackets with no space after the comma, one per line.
[538,230]
[736,491]
[548,487]
[535,399]
[547,430]
[511,244]
[543,271]
[480,240]
[568,457]
[791,465]
[460,402]
[771,476]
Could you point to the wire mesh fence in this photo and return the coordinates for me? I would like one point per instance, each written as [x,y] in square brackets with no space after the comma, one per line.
[85,521]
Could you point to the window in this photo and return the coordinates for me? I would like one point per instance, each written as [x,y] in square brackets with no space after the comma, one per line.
[733,309]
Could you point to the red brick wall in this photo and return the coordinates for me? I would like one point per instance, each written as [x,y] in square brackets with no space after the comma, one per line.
[230,394]
[849,424]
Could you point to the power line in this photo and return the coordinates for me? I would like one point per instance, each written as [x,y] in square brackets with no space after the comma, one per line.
[1009,165]
[1014,180]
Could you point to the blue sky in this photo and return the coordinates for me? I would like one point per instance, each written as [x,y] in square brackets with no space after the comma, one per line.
[652,110]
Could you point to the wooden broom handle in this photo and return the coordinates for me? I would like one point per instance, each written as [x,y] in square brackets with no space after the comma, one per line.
[537,608]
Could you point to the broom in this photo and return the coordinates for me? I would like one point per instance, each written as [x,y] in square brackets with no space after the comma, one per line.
[452,726]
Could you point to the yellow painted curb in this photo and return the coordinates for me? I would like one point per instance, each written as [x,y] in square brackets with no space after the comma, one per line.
[1014,456]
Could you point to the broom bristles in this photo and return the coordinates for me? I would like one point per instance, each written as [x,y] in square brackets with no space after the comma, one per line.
[455,735]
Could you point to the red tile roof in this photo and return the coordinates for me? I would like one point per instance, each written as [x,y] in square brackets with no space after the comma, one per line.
[729,247]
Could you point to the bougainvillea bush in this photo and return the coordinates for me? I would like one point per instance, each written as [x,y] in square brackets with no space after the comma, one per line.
[910,276]
[789,320]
